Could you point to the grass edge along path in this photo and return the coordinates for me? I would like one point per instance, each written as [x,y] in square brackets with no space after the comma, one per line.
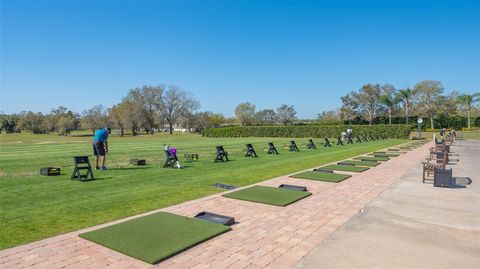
[155,237]
[268,195]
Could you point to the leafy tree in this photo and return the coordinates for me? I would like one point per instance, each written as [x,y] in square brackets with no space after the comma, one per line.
[467,102]
[94,118]
[426,93]
[286,114]
[329,117]
[130,113]
[117,118]
[30,121]
[365,102]
[245,113]
[8,123]
[266,117]
[176,103]
[389,99]
[208,119]
[404,96]
[147,100]
[62,120]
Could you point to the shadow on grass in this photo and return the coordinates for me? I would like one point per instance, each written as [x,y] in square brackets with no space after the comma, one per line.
[129,168]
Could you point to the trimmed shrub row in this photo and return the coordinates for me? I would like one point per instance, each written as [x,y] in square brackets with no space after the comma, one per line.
[318,131]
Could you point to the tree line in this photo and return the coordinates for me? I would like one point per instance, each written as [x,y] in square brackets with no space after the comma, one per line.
[146,108]
[151,109]
[426,99]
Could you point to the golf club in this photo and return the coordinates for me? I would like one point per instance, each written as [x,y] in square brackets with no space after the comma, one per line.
[113,161]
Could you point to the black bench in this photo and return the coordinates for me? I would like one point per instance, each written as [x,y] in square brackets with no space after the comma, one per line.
[327,143]
[293,146]
[311,145]
[250,151]
[222,155]
[82,163]
[171,159]
[272,149]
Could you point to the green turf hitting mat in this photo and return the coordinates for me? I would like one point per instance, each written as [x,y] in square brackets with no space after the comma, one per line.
[360,163]
[321,176]
[155,237]
[383,155]
[391,153]
[348,168]
[369,158]
[268,195]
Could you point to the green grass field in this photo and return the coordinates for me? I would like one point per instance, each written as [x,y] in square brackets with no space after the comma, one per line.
[35,207]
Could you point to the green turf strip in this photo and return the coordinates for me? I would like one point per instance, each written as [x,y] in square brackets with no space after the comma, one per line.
[389,152]
[268,195]
[383,155]
[369,158]
[321,176]
[362,163]
[349,168]
[155,237]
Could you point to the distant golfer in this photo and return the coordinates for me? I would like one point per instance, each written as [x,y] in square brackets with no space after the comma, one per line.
[100,147]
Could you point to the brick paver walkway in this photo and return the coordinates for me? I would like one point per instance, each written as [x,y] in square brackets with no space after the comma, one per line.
[266,236]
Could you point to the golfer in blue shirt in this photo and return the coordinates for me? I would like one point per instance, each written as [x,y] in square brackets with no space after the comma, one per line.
[100,147]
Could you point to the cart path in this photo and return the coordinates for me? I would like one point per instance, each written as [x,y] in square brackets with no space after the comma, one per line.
[266,236]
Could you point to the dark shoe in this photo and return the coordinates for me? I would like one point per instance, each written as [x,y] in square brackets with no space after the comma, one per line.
[104,168]
[97,168]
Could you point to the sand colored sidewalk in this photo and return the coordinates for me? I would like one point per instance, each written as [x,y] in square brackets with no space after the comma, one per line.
[412,225]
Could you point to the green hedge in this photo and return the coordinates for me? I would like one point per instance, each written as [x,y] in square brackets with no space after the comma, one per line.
[391,131]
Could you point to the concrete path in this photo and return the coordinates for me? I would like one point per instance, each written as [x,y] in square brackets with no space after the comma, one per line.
[412,225]
[266,236]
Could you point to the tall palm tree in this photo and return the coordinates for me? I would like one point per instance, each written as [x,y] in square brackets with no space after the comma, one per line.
[468,101]
[404,96]
[390,100]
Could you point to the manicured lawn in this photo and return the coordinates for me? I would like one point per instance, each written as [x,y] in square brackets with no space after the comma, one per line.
[33,207]
[321,176]
[349,168]
[155,237]
[268,195]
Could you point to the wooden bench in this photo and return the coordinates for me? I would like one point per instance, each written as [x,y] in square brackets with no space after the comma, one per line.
[429,168]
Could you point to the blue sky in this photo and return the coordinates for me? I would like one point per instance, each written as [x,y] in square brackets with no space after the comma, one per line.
[307,54]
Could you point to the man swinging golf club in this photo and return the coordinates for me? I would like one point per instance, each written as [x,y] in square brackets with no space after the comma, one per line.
[100,147]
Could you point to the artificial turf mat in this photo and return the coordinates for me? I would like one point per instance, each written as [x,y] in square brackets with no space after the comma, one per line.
[365,158]
[384,154]
[268,195]
[155,237]
[321,176]
[389,152]
[349,168]
[361,163]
